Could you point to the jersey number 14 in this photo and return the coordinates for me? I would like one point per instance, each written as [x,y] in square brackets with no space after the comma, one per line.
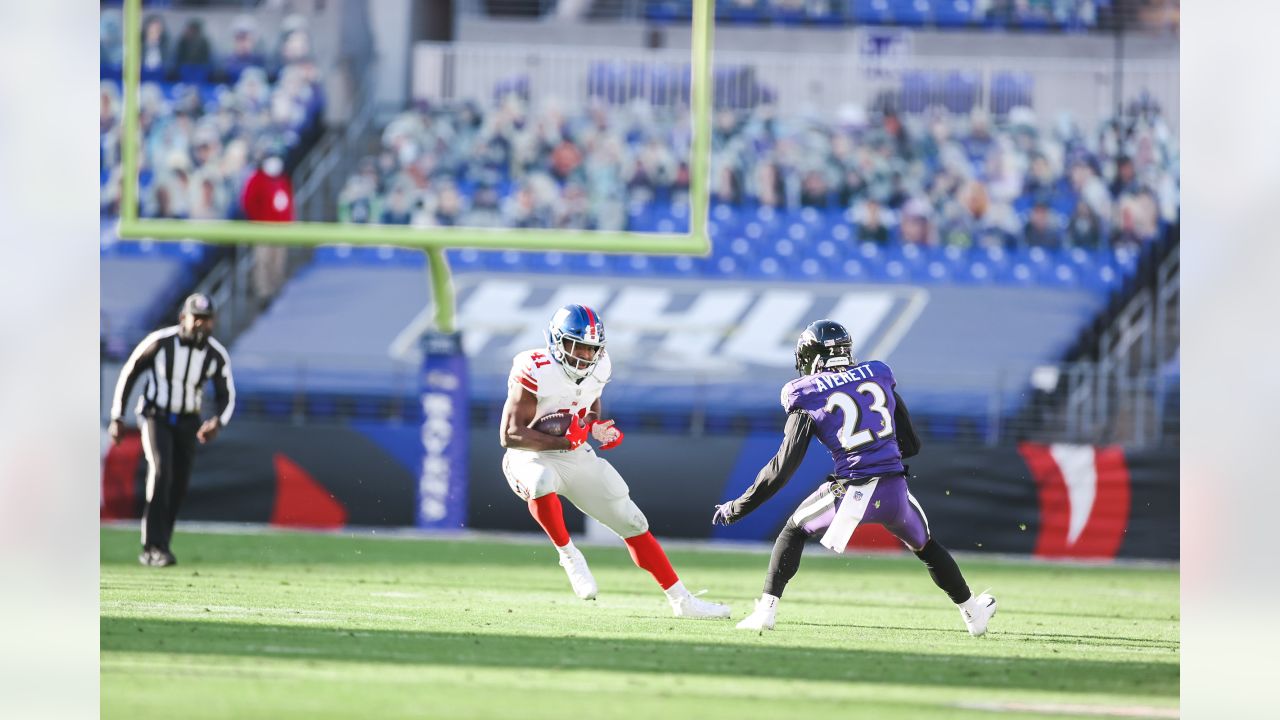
[849,439]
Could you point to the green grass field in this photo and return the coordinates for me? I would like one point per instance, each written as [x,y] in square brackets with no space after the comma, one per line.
[283,625]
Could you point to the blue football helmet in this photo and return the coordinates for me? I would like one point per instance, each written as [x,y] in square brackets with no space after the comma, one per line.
[575,339]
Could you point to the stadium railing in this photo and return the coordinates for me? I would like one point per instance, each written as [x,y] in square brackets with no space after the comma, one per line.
[1088,86]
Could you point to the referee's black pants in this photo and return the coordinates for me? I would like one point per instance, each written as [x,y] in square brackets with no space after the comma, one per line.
[169,442]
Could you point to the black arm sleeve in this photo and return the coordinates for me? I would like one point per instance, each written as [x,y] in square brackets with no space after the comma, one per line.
[771,478]
[908,440]
[139,362]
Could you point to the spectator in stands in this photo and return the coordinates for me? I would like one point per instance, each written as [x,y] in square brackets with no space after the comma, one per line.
[193,46]
[565,160]
[973,220]
[397,211]
[1042,229]
[1126,180]
[915,227]
[1085,231]
[852,189]
[1004,177]
[573,211]
[268,194]
[486,208]
[978,142]
[295,41]
[1040,180]
[245,52]
[869,217]
[157,60]
[727,187]
[769,190]
[813,190]
[110,41]
[1136,221]
[1086,184]
[448,206]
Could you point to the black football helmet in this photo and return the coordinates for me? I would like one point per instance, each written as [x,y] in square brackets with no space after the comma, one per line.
[824,344]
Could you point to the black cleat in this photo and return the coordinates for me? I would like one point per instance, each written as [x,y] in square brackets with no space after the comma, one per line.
[163,558]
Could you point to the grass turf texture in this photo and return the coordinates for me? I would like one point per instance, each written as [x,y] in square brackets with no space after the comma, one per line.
[286,625]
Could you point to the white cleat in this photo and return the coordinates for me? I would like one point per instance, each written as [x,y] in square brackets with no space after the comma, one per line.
[575,566]
[762,618]
[981,610]
[688,606]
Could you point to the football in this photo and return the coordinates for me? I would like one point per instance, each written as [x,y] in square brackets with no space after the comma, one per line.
[556,423]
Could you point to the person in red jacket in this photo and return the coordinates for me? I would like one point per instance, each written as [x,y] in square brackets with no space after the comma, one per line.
[268,197]
[268,194]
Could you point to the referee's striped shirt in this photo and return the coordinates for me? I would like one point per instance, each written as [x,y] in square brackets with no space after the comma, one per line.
[176,371]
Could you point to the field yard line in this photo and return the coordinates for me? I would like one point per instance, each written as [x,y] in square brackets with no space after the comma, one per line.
[536,538]
[1127,711]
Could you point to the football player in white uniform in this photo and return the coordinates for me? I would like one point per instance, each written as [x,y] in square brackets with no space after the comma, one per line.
[565,379]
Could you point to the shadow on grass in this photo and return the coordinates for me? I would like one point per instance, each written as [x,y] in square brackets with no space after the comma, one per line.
[1114,641]
[630,655]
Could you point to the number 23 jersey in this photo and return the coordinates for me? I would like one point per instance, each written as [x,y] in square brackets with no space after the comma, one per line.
[852,411]
[540,374]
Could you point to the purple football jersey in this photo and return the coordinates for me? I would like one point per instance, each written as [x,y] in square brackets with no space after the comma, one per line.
[852,412]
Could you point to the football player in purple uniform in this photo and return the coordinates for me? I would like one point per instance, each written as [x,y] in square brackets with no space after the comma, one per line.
[853,409]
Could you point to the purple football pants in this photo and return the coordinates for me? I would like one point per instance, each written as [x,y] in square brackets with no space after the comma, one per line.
[891,505]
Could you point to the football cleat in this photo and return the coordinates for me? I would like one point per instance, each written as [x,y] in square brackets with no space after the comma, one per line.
[977,612]
[689,606]
[762,618]
[575,566]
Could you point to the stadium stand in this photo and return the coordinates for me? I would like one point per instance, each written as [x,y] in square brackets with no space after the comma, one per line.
[996,213]
[208,116]
[951,194]
[207,112]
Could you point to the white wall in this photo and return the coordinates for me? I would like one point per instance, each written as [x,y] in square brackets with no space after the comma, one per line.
[389,20]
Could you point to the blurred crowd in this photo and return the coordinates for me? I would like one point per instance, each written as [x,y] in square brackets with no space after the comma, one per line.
[209,116]
[932,179]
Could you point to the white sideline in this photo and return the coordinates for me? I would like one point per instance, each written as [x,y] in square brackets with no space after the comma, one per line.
[537,538]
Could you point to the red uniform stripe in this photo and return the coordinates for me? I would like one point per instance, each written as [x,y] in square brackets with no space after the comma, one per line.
[529,384]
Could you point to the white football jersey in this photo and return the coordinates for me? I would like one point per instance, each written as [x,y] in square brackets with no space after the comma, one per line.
[542,375]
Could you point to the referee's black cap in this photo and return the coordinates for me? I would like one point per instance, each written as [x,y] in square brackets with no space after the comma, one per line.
[197,304]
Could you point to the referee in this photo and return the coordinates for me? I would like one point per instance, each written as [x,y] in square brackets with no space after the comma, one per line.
[176,361]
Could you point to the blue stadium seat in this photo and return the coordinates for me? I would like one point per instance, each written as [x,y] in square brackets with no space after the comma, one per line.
[870,12]
[916,92]
[910,12]
[954,13]
[668,10]
[1010,90]
[958,91]
[197,74]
